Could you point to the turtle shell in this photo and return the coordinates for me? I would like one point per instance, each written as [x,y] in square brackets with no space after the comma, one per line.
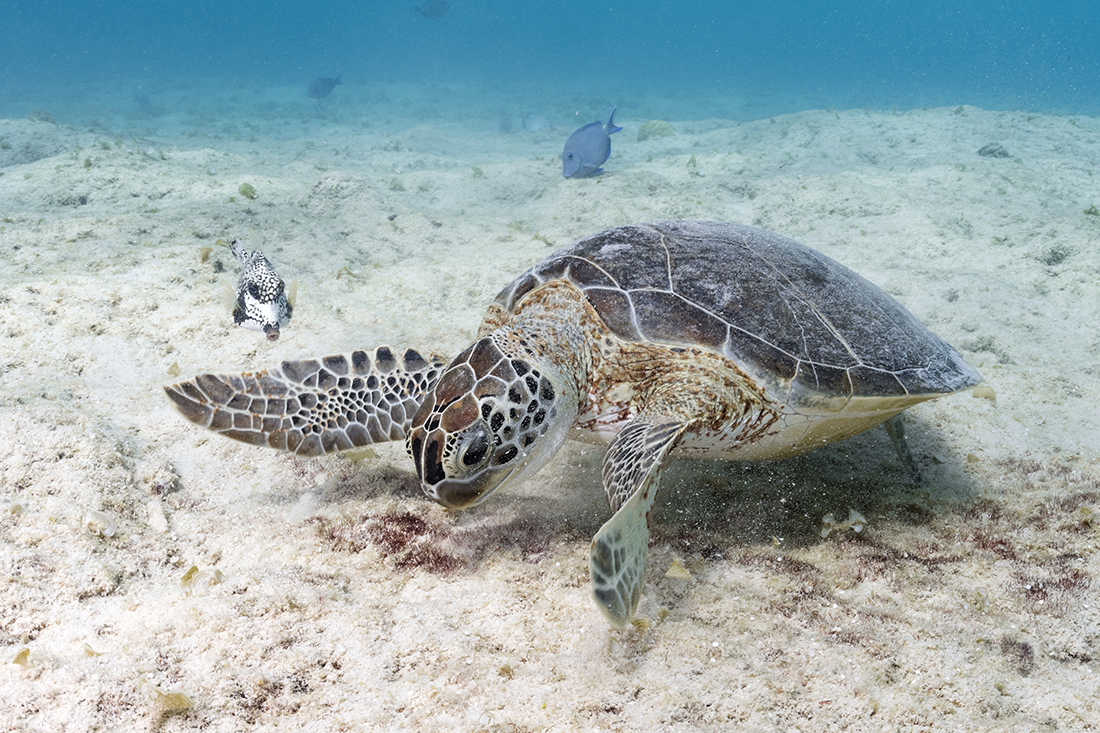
[804,326]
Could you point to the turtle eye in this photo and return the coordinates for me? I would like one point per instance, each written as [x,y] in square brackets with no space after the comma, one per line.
[475,449]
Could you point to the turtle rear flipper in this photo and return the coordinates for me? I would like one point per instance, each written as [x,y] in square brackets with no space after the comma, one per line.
[895,428]
[631,476]
[313,406]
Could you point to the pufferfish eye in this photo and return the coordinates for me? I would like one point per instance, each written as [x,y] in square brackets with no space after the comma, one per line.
[475,449]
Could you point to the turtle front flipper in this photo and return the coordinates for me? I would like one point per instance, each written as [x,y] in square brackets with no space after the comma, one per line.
[314,406]
[631,477]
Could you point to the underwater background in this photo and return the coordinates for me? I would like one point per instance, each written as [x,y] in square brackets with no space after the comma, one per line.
[998,55]
[155,576]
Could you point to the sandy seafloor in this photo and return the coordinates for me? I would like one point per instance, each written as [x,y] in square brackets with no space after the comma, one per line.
[351,602]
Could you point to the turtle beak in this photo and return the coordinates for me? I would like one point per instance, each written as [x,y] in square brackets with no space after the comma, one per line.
[462,493]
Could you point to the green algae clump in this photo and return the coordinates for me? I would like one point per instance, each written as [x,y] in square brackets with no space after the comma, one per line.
[655,128]
[247,190]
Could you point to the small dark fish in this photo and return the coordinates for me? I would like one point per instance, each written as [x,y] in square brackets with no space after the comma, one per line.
[321,88]
[433,8]
[588,148]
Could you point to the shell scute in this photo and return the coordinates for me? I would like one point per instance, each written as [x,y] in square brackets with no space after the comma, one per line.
[668,318]
[519,288]
[865,380]
[616,310]
[823,378]
[581,270]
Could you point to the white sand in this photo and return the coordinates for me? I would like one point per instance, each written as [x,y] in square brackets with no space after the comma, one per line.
[350,602]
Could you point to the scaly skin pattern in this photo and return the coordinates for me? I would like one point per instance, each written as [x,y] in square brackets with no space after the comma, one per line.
[314,406]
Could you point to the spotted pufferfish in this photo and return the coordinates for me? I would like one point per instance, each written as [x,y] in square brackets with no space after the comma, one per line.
[261,302]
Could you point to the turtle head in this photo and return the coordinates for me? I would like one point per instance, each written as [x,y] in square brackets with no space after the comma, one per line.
[489,419]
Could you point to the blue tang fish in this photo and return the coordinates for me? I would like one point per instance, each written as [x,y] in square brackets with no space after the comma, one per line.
[588,148]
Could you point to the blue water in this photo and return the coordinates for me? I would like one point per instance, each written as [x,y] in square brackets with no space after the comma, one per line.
[906,53]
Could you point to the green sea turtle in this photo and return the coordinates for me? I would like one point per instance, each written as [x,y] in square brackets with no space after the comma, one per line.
[678,337]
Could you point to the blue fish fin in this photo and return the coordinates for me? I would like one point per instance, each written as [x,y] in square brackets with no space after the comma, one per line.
[611,127]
